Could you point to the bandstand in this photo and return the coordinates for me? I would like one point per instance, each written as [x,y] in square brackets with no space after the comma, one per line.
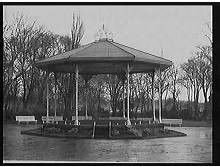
[104,56]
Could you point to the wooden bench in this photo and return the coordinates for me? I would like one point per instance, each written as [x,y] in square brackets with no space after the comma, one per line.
[81,118]
[103,118]
[116,118]
[52,119]
[144,119]
[58,118]
[148,120]
[172,121]
[26,119]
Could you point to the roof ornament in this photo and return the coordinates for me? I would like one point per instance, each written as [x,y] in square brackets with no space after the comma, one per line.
[103,34]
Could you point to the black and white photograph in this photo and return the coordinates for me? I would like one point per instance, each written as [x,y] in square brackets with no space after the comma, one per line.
[107,83]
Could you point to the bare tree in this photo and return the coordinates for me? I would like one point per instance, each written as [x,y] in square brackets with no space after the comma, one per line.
[209,35]
[24,43]
[23,46]
[114,86]
[77,31]
[173,88]
[204,72]
[140,91]
[97,93]
[185,82]
[66,82]
[192,72]
[164,83]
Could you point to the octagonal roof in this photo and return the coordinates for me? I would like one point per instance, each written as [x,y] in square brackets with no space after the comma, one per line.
[103,57]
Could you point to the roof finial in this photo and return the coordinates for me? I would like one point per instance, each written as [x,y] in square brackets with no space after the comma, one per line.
[103,34]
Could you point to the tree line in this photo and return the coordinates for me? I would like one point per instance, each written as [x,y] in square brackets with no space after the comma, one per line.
[24,85]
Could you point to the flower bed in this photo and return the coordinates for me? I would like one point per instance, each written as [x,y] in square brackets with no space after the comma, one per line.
[66,129]
[117,131]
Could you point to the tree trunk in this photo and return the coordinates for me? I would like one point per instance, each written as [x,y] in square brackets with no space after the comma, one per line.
[174,97]
[205,104]
[165,99]
[174,102]
[142,103]
[66,108]
[161,102]
[24,95]
[196,104]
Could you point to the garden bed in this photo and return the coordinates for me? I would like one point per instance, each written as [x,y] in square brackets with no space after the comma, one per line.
[147,131]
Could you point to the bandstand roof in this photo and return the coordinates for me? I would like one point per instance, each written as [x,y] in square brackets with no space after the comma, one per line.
[103,57]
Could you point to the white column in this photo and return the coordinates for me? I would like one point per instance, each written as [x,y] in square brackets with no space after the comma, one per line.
[47,75]
[86,102]
[73,97]
[55,102]
[160,120]
[154,112]
[123,99]
[128,92]
[55,97]
[77,78]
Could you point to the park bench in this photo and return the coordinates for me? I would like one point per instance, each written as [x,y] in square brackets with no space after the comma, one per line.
[148,120]
[144,119]
[103,118]
[81,118]
[52,119]
[116,118]
[58,118]
[172,121]
[26,119]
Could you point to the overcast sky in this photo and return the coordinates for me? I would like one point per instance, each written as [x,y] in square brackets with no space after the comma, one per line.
[175,29]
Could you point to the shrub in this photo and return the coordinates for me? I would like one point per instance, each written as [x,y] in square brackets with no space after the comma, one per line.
[132,130]
[52,130]
[115,132]
[164,131]
[147,131]
[73,130]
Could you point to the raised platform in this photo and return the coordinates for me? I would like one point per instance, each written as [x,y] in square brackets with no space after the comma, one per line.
[87,131]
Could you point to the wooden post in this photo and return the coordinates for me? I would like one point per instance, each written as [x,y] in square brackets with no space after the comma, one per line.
[77,78]
[128,92]
[160,120]
[154,113]
[47,75]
